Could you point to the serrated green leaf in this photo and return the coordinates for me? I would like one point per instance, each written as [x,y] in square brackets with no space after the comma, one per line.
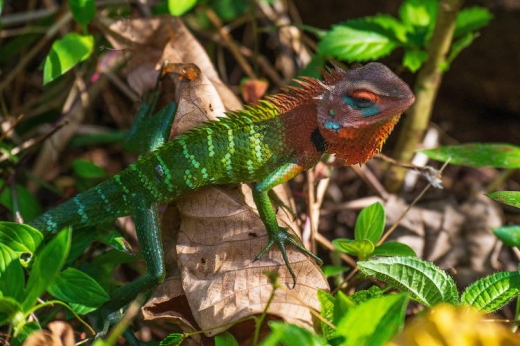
[393,249]
[327,312]
[357,40]
[370,223]
[359,248]
[65,54]
[471,19]
[74,286]
[174,339]
[510,235]
[88,170]
[47,265]
[414,58]
[12,279]
[10,311]
[362,296]
[374,322]
[29,207]
[496,155]
[427,283]
[507,197]
[225,339]
[83,11]
[20,238]
[492,292]
[179,7]
[290,334]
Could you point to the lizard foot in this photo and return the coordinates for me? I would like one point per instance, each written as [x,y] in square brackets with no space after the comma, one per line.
[280,238]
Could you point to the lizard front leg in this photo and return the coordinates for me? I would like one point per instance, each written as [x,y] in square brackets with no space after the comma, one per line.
[277,235]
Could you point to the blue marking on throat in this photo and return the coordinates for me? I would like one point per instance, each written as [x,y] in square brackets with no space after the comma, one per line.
[331,125]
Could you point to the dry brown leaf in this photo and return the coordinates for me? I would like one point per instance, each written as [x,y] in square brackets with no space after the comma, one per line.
[59,334]
[220,230]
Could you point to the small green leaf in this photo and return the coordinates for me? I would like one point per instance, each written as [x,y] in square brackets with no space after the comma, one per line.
[225,339]
[374,322]
[329,270]
[370,223]
[507,197]
[418,13]
[414,58]
[492,292]
[478,155]
[357,40]
[393,249]
[327,311]
[427,283]
[74,286]
[29,207]
[20,238]
[10,311]
[179,7]
[362,296]
[47,265]
[342,304]
[471,19]
[65,54]
[510,235]
[360,248]
[83,11]
[290,334]
[174,339]
[12,279]
[88,170]
[458,46]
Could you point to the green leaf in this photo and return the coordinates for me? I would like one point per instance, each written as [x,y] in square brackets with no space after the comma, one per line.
[393,249]
[362,296]
[47,265]
[360,248]
[83,11]
[357,40]
[471,19]
[496,155]
[374,322]
[20,238]
[10,311]
[88,170]
[29,207]
[74,286]
[329,270]
[458,46]
[12,279]
[510,235]
[418,13]
[225,339]
[507,197]
[492,292]
[370,223]
[65,54]
[342,304]
[427,283]
[414,58]
[228,10]
[327,312]
[289,334]
[174,339]
[179,7]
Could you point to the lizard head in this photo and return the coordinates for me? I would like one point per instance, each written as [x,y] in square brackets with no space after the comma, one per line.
[357,111]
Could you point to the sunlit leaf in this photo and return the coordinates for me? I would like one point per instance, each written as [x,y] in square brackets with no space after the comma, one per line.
[492,292]
[359,248]
[179,7]
[370,223]
[478,155]
[65,54]
[507,197]
[393,249]
[510,235]
[427,283]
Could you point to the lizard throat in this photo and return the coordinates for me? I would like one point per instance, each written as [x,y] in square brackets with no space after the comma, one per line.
[357,145]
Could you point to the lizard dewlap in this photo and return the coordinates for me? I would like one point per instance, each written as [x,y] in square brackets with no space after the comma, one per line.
[349,113]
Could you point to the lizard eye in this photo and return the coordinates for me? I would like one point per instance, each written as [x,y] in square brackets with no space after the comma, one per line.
[364,98]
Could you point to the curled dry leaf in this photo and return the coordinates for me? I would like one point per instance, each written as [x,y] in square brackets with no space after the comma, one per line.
[59,334]
[220,232]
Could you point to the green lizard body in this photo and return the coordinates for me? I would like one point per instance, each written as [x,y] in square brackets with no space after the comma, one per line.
[350,114]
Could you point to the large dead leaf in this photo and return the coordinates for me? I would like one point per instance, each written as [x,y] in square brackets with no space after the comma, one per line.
[220,232]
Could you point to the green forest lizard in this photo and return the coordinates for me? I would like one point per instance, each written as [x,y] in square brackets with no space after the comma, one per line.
[349,114]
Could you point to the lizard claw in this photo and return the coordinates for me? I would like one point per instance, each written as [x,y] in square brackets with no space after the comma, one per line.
[280,238]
